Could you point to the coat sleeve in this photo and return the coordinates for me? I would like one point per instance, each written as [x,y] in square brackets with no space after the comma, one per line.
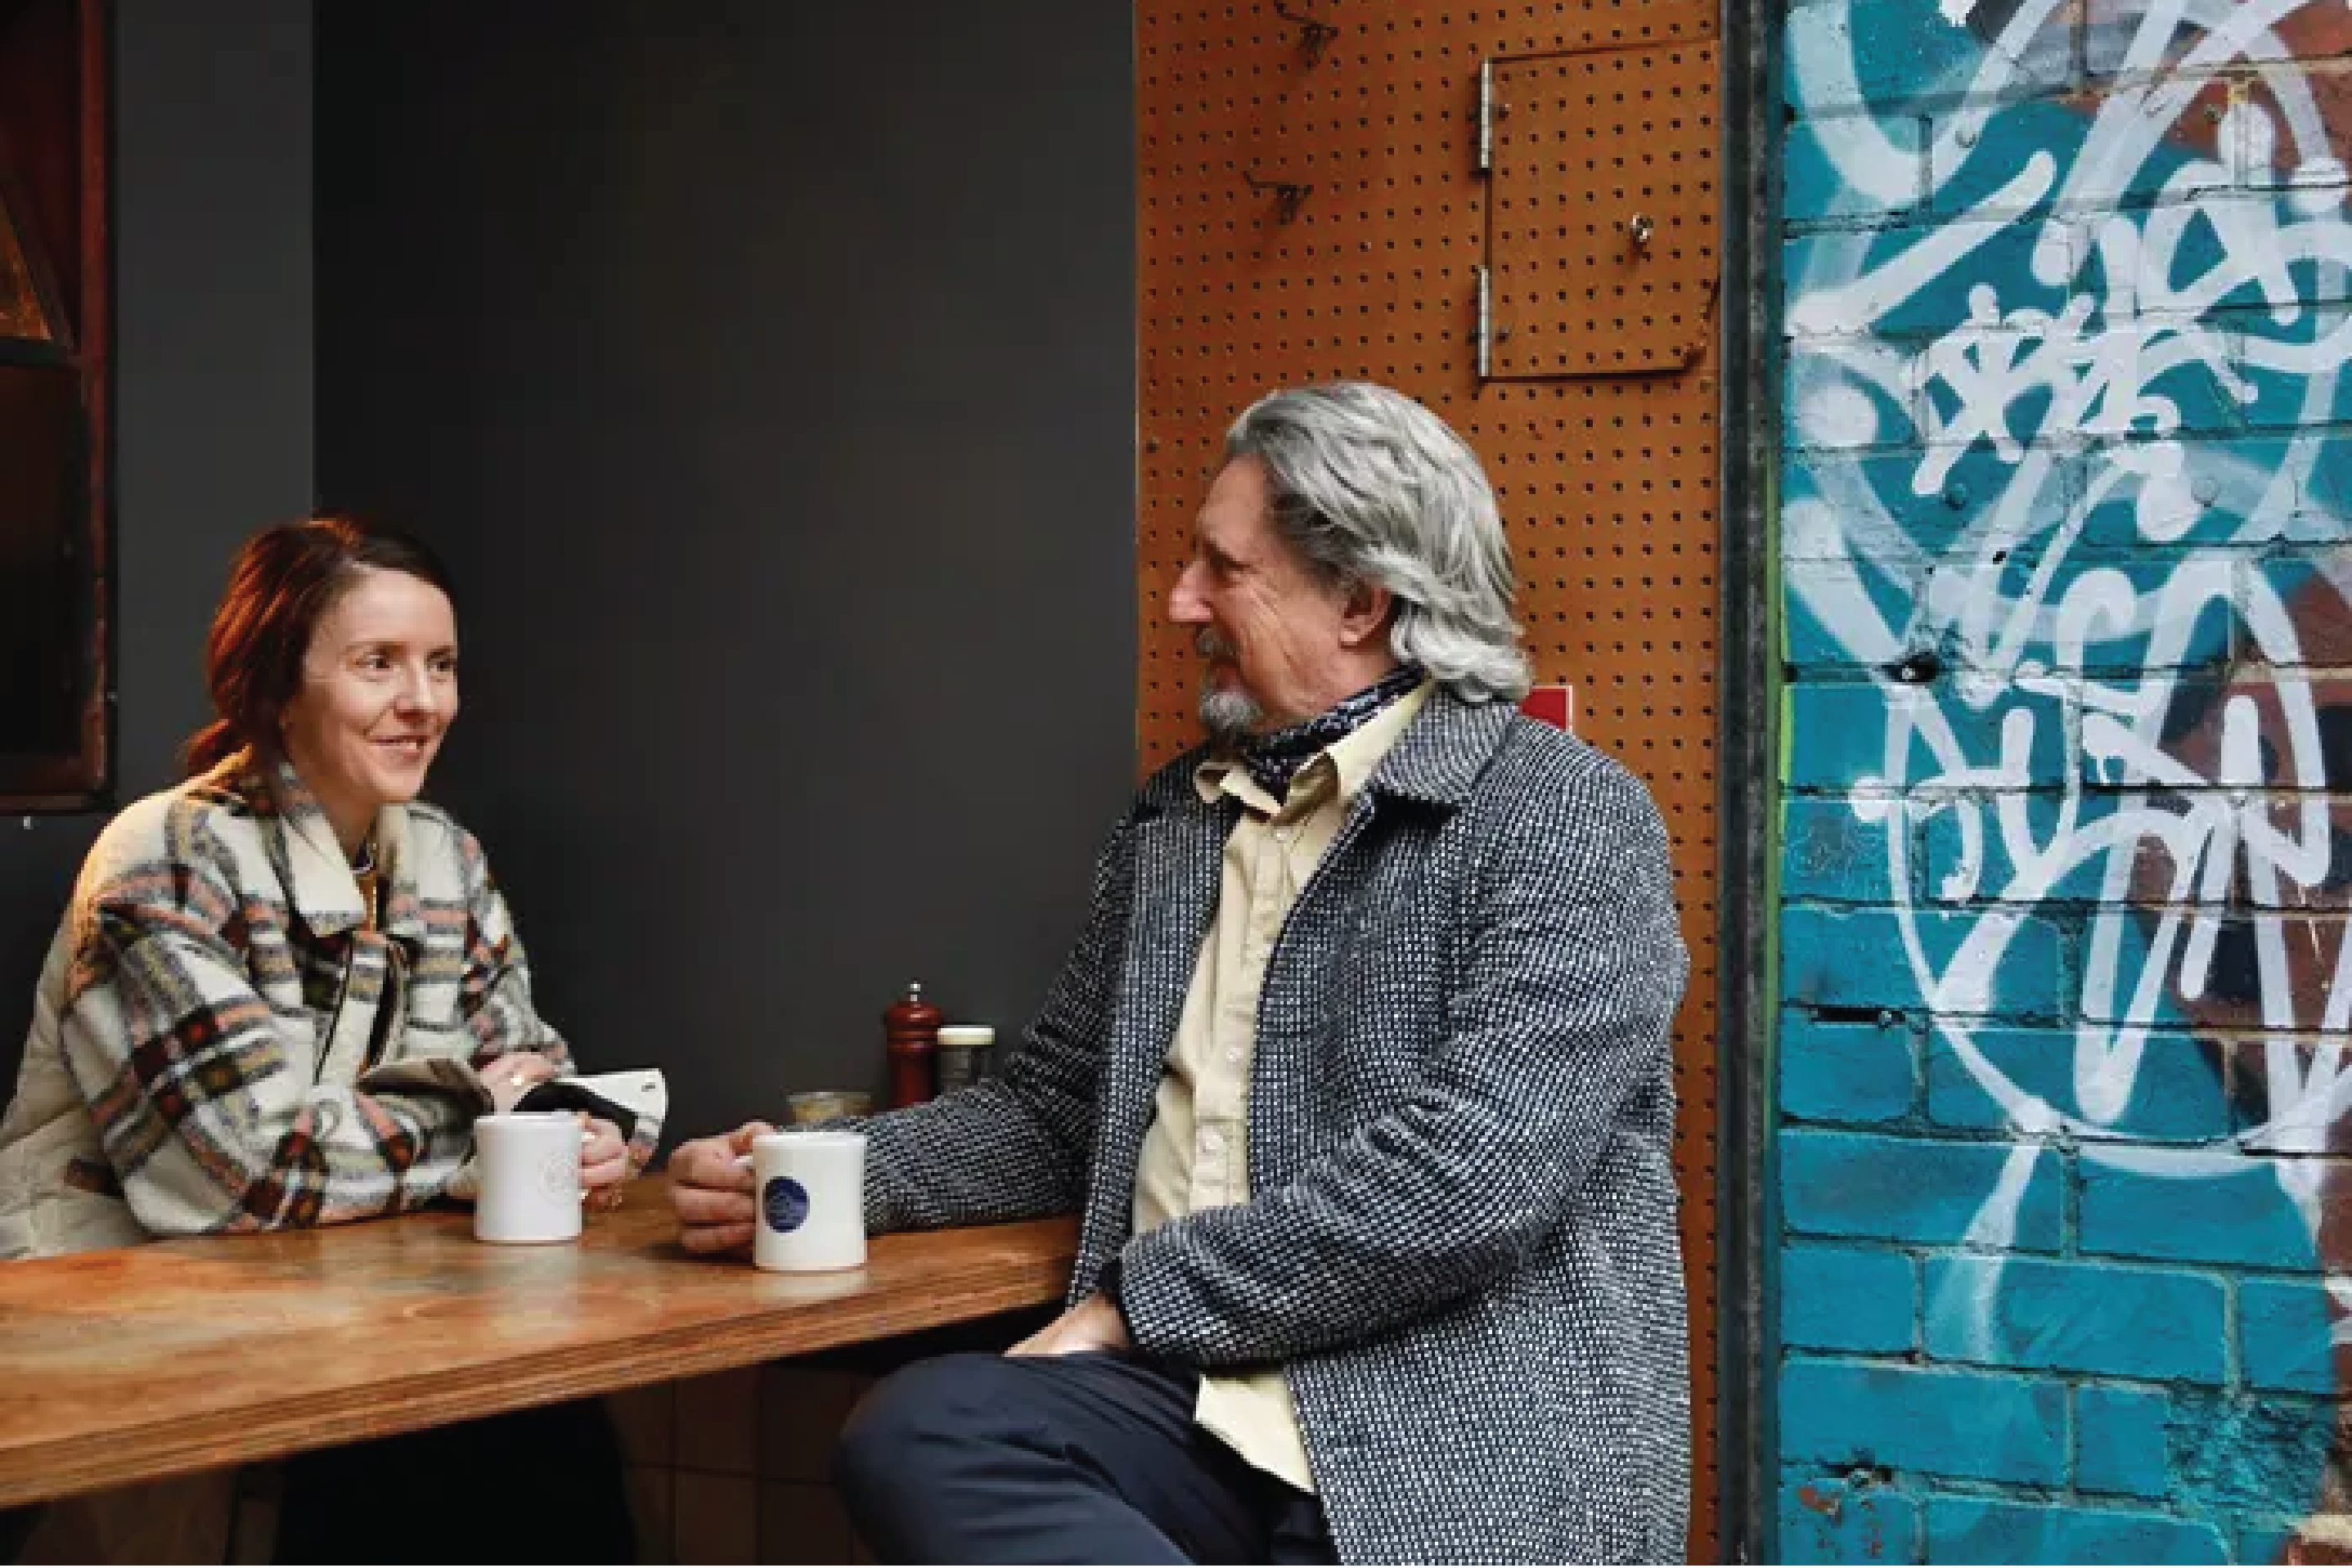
[208,1121]
[1016,1144]
[494,996]
[1573,966]
[495,1008]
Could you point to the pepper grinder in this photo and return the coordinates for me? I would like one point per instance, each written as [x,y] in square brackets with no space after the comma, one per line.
[910,1033]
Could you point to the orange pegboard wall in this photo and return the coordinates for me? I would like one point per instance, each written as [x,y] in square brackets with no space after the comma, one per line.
[1312,209]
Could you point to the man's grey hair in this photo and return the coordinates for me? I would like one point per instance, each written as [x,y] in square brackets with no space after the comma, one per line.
[1374,488]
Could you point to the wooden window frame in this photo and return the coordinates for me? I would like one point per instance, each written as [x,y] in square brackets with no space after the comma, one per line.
[80,778]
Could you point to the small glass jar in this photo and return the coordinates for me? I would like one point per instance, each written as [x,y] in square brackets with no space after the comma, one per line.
[813,1107]
[963,1054]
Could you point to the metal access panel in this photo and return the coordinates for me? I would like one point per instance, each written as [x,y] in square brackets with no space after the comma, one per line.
[1603,252]
[1311,206]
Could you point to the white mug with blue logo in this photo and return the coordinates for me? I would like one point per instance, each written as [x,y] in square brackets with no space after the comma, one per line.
[810,1189]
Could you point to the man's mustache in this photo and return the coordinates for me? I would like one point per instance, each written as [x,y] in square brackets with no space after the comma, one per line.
[1213,646]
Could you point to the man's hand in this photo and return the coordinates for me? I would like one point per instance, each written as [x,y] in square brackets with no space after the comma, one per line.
[1093,1325]
[711,1190]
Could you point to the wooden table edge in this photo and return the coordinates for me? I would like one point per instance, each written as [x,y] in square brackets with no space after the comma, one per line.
[40,1472]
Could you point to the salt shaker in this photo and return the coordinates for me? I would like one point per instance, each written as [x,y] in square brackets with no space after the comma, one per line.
[911,1034]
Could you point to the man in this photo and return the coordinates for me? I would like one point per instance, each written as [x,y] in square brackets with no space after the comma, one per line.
[1359,1074]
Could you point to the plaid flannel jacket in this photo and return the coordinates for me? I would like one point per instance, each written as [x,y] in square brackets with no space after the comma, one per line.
[222,1042]
[1461,1242]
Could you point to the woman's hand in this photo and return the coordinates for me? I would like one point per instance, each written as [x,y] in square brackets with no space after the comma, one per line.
[710,1189]
[513,1075]
[603,1162]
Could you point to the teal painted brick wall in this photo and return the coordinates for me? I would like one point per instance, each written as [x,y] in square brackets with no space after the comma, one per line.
[1949,1425]
[1849,1298]
[2063,1089]
[2119,1441]
[1848,1071]
[1979,1530]
[2285,1337]
[1824,1520]
[1914,1189]
[2094,1316]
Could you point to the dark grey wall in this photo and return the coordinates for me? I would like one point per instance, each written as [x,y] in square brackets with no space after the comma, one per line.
[766,372]
[212,398]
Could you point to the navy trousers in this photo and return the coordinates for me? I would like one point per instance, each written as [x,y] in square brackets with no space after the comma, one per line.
[1060,1459]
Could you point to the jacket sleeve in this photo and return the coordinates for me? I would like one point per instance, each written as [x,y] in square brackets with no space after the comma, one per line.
[1016,1144]
[495,1004]
[494,998]
[1573,965]
[207,1121]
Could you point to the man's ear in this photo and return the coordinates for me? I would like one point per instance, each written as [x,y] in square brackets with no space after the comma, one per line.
[1364,617]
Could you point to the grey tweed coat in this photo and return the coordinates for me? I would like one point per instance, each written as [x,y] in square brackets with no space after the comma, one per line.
[1461,1242]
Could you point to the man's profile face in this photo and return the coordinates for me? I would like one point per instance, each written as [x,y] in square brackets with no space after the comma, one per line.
[1269,626]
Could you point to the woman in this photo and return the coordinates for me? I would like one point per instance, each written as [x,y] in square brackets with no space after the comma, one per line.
[286,988]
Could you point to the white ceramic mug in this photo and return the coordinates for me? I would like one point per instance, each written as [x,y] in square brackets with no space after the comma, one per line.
[530,1166]
[810,1190]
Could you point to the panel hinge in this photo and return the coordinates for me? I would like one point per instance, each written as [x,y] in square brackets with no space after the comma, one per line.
[1485,117]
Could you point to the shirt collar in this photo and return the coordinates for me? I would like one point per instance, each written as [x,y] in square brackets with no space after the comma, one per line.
[319,879]
[1349,762]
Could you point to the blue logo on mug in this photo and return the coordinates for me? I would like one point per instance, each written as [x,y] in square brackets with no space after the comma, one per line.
[787,1202]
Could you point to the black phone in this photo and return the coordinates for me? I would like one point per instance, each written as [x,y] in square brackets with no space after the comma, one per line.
[563,1094]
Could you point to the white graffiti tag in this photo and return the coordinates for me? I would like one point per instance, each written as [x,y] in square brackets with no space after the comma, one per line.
[2136,328]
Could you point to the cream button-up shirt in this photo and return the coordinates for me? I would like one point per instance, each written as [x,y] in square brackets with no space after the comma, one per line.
[1196,1152]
